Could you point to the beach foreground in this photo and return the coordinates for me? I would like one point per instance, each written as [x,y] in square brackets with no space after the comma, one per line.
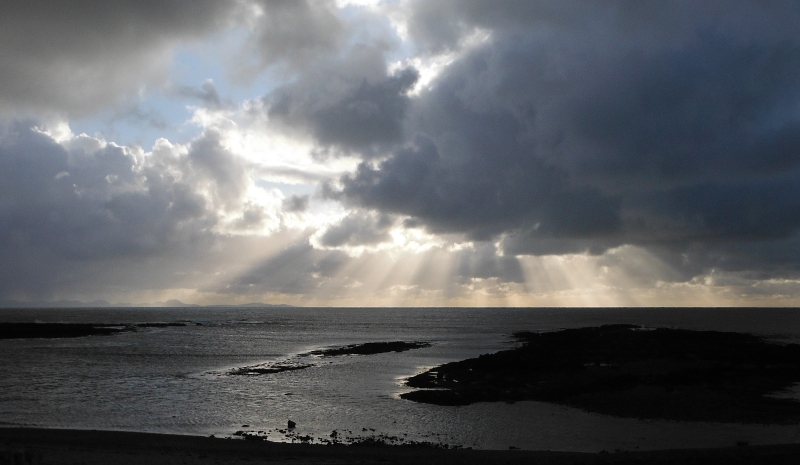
[61,447]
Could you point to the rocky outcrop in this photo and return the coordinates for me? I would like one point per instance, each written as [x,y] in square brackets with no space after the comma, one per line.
[629,371]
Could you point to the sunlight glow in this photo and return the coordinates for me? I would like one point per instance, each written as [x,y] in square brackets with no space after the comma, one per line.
[430,67]
[585,280]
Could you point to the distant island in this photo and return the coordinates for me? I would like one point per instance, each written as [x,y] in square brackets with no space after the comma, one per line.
[105,304]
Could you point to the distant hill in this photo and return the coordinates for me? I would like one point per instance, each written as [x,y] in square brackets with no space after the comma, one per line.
[54,304]
[254,304]
[168,303]
[103,303]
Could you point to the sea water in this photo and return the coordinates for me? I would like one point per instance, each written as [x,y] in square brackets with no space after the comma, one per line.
[176,379]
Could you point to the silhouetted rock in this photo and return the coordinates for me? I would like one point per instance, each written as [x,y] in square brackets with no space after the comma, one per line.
[158,325]
[266,369]
[625,371]
[370,348]
[291,424]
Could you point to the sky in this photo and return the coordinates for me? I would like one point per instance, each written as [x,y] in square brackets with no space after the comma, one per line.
[401,152]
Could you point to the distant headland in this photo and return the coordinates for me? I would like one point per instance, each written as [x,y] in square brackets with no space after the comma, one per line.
[105,304]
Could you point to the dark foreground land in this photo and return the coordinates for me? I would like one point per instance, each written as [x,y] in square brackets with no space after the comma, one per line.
[628,371]
[20,446]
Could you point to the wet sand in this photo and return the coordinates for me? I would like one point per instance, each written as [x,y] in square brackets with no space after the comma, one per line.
[62,447]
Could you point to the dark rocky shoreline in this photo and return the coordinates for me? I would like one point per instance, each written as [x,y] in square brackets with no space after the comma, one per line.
[70,330]
[367,348]
[267,369]
[627,371]
[58,330]
[30,446]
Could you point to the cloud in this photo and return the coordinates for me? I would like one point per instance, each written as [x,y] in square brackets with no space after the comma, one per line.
[478,149]
[86,200]
[80,56]
[481,197]
[293,33]
[351,105]
[207,94]
[437,25]
[357,229]
[581,129]
[88,203]
[298,269]
[296,203]
[483,262]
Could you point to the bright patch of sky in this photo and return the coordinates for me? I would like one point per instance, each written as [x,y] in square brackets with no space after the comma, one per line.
[165,110]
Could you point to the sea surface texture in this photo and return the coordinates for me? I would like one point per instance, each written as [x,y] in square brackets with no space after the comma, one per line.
[199,377]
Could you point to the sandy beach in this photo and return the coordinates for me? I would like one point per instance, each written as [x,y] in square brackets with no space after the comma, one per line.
[61,447]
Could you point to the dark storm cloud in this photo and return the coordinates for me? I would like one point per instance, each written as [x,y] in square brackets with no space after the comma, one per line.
[441,24]
[84,202]
[581,127]
[80,55]
[482,194]
[711,109]
[352,106]
[358,229]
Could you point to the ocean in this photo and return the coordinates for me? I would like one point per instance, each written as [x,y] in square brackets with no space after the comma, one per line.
[177,379]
